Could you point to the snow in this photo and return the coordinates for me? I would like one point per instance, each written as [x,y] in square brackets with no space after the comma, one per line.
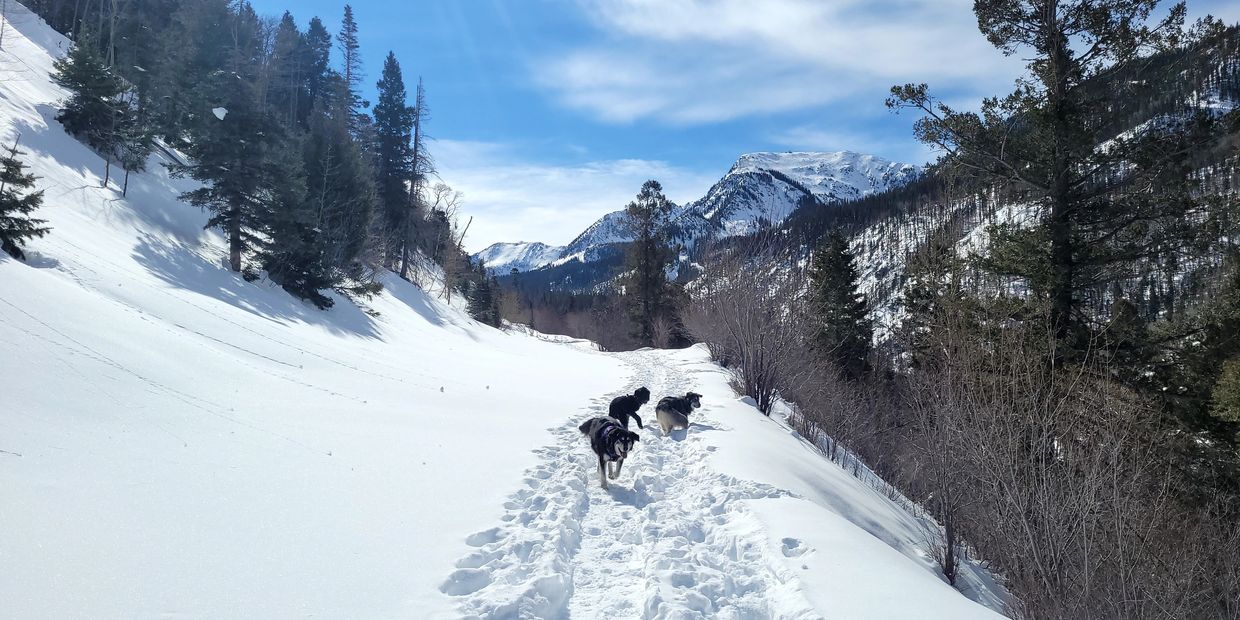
[736,517]
[176,441]
[834,176]
[219,113]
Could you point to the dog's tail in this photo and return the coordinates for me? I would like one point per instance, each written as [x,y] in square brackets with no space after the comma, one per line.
[585,427]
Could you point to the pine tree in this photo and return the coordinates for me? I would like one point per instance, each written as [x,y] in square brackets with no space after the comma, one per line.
[480,297]
[231,144]
[197,44]
[317,48]
[647,258]
[394,132]
[842,330]
[16,204]
[351,58]
[341,187]
[421,166]
[289,91]
[295,257]
[94,101]
[135,140]
[1101,206]
[931,284]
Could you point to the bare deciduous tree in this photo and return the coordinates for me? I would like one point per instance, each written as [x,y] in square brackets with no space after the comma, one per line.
[749,308]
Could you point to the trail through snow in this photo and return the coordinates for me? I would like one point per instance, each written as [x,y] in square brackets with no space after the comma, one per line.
[670,539]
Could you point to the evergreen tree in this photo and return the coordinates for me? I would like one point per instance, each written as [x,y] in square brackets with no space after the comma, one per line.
[138,51]
[351,58]
[341,188]
[16,204]
[931,284]
[135,140]
[231,146]
[421,166]
[317,48]
[94,102]
[394,132]
[197,44]
[842,330]
[648,258]
[289,88]
[1040,143]
[295,258]
[481,297]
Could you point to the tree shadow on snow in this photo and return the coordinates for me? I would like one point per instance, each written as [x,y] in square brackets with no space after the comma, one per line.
[152,200]
[185,268]
[33,259]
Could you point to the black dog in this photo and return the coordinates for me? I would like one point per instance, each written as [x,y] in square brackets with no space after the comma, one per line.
[611,442]
[622,407]
[673,411]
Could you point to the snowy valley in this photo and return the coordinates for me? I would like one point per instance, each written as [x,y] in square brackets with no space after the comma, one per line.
[177,441]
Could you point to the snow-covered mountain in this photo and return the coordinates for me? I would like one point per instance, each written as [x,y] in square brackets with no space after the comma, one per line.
[522,255]
[761,189]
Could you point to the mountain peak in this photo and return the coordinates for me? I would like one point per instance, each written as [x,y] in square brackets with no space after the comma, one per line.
[831,176]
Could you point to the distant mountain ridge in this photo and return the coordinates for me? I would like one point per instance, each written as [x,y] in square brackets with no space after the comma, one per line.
[759,190]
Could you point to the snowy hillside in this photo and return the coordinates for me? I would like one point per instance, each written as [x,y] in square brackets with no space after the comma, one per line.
[176,441]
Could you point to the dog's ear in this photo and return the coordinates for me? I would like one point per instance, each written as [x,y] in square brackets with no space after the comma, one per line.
[635,436]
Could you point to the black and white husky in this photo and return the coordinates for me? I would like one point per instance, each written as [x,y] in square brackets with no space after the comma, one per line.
[673,411]
[611,442]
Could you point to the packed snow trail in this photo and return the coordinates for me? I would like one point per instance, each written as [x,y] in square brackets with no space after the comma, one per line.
[670,539]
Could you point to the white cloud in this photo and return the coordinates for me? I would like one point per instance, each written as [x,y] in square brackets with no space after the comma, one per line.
[698,61]
[512,199]
[818,138]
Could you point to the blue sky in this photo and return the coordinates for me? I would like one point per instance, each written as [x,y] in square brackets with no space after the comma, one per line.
[547,114]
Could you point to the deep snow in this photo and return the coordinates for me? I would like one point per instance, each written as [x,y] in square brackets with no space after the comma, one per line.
[175,441]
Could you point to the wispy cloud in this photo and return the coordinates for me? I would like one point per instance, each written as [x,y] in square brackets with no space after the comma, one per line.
[700,61]
[820,138]
[514,199]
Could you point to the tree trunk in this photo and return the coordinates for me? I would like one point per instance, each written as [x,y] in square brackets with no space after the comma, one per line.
[234,240]
[1060,223]
[949,544]
[414,181]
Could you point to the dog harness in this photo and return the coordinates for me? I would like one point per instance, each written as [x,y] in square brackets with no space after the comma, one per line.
[606,436]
